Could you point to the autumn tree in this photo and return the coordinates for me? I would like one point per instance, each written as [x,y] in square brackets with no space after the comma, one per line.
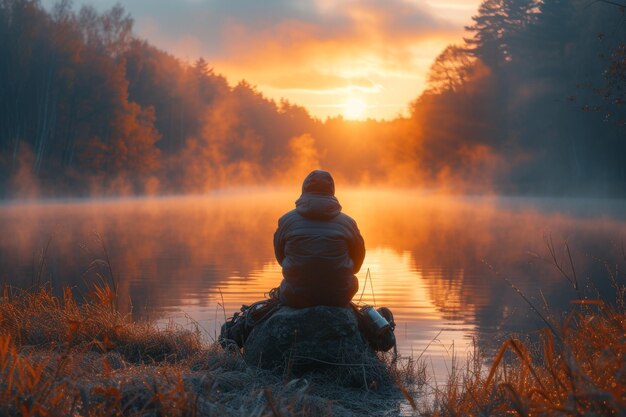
[65,93]
[451,69]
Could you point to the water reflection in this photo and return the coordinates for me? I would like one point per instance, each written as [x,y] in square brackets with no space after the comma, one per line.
[436,261]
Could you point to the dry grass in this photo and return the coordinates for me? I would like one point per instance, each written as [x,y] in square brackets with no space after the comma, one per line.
[580,371]
[59,357]
[41,320]
[577,368]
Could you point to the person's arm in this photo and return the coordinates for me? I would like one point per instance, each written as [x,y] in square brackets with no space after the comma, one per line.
[279,243]
[357,247]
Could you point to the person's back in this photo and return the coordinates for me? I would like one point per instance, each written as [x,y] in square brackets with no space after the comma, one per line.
[319,248]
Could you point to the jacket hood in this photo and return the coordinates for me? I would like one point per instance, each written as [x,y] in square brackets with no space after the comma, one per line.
[318,197]
[319,182]
[318,206]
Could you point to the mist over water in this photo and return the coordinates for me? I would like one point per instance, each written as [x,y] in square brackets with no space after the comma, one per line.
[438,262]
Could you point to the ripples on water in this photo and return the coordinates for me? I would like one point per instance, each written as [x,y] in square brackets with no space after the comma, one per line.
[436,261]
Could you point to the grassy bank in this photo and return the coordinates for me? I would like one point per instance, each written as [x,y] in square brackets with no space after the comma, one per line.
[61,357]
[578,368]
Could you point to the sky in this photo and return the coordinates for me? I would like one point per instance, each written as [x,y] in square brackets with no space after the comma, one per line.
[355,58]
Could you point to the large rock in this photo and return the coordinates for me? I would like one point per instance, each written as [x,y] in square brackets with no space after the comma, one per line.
[315,338]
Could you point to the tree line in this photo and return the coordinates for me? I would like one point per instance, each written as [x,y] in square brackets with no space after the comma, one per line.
[531,101]
[536,92]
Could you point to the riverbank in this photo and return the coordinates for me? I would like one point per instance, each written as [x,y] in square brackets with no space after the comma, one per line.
[62,357]
[577,368]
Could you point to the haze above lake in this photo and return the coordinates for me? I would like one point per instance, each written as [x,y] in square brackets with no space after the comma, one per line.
[440,263]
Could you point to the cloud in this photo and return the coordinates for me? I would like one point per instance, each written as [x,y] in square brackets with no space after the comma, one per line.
[243,31]
[294,48]
[314,81]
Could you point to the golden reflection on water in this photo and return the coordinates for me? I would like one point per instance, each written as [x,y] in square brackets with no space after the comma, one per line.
[433,259]
[394,282]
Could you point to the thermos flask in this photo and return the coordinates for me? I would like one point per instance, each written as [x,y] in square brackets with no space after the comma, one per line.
[380,324]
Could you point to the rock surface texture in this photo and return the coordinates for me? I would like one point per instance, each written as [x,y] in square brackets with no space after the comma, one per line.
[317,338]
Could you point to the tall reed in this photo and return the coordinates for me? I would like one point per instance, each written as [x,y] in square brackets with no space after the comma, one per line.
[582,372]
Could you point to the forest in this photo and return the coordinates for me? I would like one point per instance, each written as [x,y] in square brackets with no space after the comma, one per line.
[531,101]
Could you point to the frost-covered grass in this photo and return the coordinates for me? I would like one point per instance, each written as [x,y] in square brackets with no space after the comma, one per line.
[61,357]
[577,369]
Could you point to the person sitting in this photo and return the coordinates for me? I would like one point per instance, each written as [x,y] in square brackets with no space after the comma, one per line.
[319,248]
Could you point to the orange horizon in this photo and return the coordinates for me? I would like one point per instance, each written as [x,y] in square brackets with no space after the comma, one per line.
[356,59]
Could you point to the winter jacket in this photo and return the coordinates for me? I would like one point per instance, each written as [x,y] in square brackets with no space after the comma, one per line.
[319,248]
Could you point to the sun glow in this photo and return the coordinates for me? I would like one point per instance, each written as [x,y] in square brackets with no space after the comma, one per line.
[354,109]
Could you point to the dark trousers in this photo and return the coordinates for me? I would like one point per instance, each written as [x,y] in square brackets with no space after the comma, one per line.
[303,298]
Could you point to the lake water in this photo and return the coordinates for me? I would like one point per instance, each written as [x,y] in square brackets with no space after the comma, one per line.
[440,263]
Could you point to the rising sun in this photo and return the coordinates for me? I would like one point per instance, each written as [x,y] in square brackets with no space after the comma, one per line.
[354,109]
